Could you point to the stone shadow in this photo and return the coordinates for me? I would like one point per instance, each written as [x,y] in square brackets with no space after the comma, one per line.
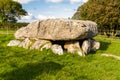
[104,45]
[31,70]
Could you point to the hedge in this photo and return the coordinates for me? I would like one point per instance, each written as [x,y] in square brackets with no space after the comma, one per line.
[8,25]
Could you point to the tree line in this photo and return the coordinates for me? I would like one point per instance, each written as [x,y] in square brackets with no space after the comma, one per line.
[10,11]
[14,26]
[106,13]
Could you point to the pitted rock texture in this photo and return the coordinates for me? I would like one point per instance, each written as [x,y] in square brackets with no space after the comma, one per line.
[75,36]
[58,29]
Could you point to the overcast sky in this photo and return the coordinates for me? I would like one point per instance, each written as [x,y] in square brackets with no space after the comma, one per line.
[43,9]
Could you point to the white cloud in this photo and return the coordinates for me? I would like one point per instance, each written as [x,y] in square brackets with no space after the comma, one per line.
[77,1]
[42,17]
[55,1]
[68,10]
[23,1]
[30,18]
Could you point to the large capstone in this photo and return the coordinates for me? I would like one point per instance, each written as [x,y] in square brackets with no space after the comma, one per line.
[58,29]
[74,36]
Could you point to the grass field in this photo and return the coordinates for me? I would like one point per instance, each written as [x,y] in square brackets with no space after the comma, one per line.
[22,64]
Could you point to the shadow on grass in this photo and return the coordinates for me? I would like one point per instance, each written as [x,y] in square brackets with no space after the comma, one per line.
[30,71]
[104,45]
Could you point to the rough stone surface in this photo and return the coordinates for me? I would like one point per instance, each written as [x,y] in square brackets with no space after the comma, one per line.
[95,45]
[46,46]
[25,43]
[74,35]
[14,43]
[58,29]
[90,45]
[57,49]
[86,46]
[40,44]
[80,47]
[111,55]
[73,47]
[30,31]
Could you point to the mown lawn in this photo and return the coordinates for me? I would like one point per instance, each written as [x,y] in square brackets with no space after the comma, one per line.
[21,64]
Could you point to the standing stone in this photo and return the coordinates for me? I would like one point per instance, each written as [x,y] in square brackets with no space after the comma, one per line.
[26,43]
[95,45]
[14,43]
[90,45]
[58,29]
[86,46]
[57,49]
[46,46]
[73,47]
[40,44]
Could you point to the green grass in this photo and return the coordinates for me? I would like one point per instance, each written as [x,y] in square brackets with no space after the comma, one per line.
[6,31]
[22,64]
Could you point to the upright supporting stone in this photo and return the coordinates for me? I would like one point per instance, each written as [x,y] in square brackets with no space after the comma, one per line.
[40,44]
[95,45]
[57,49]
[73,47]
[90,45]
[86,46]
[14,43]
[26,43]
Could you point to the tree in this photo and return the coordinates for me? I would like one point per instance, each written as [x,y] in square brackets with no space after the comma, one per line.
[10,10]
[104,12]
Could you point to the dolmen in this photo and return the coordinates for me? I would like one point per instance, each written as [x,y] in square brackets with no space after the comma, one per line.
[59,35]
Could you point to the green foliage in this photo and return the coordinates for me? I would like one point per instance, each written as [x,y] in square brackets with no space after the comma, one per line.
[8,25]
[22,64]
[10,10]
[105,12]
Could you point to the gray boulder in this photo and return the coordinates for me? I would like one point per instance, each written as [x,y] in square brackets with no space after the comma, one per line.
[30,31]
[57,49]
[73,47]
[90,45]
[25,43]
[40,44]
[95,45]
[86,46]
[58,29]
[14,43]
